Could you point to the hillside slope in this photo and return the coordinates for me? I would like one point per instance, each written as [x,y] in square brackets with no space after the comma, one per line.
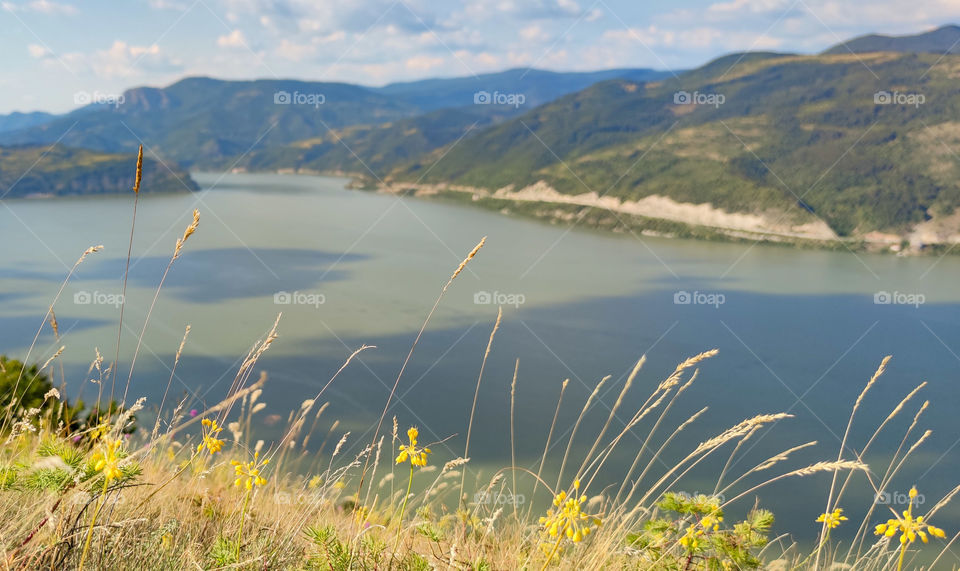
[44,171]
[840,139]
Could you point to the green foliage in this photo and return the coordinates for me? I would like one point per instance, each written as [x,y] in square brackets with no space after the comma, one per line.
[333,554]
[223,552]
[26,389]
[25,386]
[430,531]
[689,533]
[413,561]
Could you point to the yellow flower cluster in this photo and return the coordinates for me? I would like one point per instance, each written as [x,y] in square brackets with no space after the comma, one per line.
[417,456]
[210,440]
[106,460]
[568,518]
[909,527]
[832,519]
[711,522]
[99,431]
[248,473]
[691,539]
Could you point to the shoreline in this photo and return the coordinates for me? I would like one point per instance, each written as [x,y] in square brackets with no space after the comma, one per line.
[659,216]
[653,216]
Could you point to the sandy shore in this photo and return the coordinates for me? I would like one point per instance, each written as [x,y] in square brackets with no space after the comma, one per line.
[654,206]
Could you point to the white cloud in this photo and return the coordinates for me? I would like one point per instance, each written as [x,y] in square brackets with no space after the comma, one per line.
[534,33]
[568,6]
[234,39]
[124,60]
[120,61]
[40,7]
[37,51]
[752,6]
[293,51]
[423,63]
[168,5]
[699,38]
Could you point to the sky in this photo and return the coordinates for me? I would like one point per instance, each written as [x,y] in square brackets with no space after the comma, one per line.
[57,54]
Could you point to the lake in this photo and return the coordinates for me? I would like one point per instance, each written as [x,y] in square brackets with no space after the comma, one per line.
[798,331]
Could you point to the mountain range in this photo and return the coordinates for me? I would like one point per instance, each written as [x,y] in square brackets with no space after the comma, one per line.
[857,143]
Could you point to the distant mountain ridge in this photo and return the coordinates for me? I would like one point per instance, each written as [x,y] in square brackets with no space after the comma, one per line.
[537,86]
[943,40]
[18,120]
[201,121]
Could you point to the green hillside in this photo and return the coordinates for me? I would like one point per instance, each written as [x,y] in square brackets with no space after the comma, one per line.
[794,135]
[35,170]
[373,151]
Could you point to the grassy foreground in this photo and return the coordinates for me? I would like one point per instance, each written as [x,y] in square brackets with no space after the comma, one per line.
[96,488]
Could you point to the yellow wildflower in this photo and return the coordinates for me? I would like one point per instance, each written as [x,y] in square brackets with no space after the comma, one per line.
[210,440]
[909,528]
[691,539]
[248,473]
[417,456]
[568,518]
[106,460]
[711,522]
[99,431]
[832,519]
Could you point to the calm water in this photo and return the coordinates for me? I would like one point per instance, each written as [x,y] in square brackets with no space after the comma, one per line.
[798,331]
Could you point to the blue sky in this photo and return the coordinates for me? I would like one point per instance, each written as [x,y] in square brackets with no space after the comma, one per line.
[53,49]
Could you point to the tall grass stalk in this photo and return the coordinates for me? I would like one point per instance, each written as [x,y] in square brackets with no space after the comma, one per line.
[476,394]
[126,274]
